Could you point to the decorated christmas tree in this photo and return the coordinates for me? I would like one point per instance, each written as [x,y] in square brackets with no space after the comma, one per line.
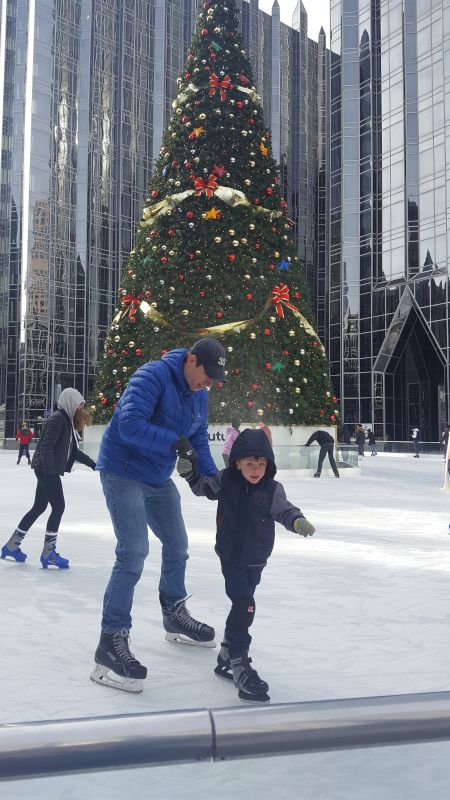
[215,253]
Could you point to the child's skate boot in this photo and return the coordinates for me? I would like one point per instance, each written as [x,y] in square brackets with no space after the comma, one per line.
[181,627]
[113,655]
[223,669]
[247,681]
[49,557]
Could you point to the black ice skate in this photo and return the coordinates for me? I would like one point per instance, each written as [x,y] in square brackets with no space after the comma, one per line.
[223,669]
[247,681]
[181,627]
[113,654]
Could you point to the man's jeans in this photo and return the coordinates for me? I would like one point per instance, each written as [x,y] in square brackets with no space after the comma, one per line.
[133,506]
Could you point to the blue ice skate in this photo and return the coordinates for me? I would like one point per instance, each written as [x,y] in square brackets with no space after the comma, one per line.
[17,554]
[54,560]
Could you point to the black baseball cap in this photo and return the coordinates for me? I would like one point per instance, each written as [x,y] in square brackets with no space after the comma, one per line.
[210,353]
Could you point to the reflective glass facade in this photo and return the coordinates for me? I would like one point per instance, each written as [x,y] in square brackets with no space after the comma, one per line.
[87,91]
[389,213]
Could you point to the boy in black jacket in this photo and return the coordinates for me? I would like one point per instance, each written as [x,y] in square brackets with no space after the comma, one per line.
[249,503]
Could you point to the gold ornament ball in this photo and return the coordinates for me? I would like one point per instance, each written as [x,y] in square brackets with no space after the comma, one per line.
[100,395]
[117,338]
[297,390]
[202,116]
[253,336]
[171,252]
[276,254]
[247,181]
[223,404]
[244,133]
[291,333]
[247,277]
[131,344]
[217,30]
[291,380]
[251,226]
[235,243]
[252,163]
[302,352]
[260,412]
[185,312]
[198,252]
[305,380]
[273,319]
[231,231]
[244,240]
[328,394]
[254,260]
[154,248]
[217,239]
[124,369]
[297,362]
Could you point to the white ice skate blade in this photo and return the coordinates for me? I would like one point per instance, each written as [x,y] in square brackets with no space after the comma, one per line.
[103,676]
[179,638]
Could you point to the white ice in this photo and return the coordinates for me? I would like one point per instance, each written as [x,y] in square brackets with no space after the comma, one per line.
[361,609]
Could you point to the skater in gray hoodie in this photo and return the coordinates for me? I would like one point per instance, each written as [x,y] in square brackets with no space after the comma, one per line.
[56,451]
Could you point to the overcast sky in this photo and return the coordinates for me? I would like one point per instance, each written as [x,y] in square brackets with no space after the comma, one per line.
[318,14]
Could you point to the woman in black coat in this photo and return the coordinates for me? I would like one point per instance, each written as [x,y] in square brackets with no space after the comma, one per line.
[56,451]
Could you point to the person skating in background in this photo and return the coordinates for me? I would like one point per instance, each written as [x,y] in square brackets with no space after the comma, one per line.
[444,439]
[231,436]
[326,443]
[372,442]
[24,435]
[55,454]
[267,431]
[162,413]
[415,436]
[250,501]
[360,439]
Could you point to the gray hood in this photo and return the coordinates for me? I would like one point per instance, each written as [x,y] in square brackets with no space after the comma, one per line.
[68,401]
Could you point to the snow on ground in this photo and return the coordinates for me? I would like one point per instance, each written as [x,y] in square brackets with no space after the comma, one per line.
[361,609]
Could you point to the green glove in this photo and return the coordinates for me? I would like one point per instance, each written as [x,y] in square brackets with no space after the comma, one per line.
[184,468]
[303,527]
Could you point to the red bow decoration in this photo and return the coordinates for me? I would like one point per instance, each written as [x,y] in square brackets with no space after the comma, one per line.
[208,187]
[223,85]
[280,296]
[130,302]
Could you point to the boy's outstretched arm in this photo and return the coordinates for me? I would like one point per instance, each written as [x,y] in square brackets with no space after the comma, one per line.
[201,485]
[289,515]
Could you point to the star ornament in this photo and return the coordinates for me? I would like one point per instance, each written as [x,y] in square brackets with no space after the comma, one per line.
[213,213]
[198,132]
[219,171]
[283,266]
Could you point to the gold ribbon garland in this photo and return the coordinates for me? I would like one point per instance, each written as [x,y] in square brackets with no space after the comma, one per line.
[231,197]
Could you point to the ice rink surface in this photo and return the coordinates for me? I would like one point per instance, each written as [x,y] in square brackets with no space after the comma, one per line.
[361,609]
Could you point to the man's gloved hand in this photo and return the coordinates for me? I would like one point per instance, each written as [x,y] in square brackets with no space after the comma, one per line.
[185,468]
[187,458]
[303,527]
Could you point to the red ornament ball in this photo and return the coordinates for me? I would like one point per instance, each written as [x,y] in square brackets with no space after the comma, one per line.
[240,104]
[236,371]
[110,352]
[257,246]
[103,401]
[190,214]
[155,194]
[254,387]
[249,403]
[171,232]
[269,190]
[164,260]
[174,163]
[269,405]
[204,32]
[201,294]
[188,165]
[285,352]
[138,351]
[256,201]
[181,277]
[249,296]
[297,295]
[315,344]
[332,418]
[334,399]
[232,257]
[219,314]
[321,412]
[268,365]
[272,267]
[191,256]
[251,121]
[220,384]
[267,331]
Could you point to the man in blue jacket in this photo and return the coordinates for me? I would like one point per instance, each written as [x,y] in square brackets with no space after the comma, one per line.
[162,414]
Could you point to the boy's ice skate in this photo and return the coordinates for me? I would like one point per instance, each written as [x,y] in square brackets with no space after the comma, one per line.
[181,627]
[54,560]
[223,669]
[247,681]
[113,655]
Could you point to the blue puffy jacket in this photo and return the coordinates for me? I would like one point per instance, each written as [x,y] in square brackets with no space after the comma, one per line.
[156,408]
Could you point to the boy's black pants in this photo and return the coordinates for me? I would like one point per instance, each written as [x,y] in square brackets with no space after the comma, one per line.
[48,490]
[240,585]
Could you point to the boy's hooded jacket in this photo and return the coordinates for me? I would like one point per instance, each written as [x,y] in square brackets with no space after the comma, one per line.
[57,448]
[246,512]
[156,408]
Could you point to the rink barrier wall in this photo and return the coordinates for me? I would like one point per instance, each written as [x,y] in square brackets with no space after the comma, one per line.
[48,748]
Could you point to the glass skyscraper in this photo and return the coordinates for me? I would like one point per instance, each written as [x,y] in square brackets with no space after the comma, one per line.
[390,213]
[87,87]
